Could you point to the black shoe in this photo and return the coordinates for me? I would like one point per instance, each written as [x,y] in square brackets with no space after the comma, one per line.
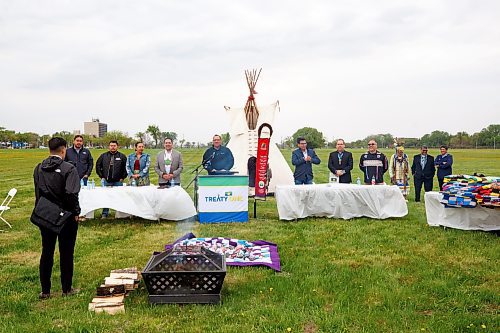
[71,292]
[43,296]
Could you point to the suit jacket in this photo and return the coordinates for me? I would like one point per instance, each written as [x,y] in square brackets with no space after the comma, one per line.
[428,171]
[175,167]
[443,165]
[345,164]
[303,168]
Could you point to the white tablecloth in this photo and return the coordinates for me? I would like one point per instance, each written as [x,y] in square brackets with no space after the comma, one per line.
[147,202]
[340,201]
[478,218]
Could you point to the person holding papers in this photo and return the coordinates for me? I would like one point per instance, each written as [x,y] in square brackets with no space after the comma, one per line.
[169,165]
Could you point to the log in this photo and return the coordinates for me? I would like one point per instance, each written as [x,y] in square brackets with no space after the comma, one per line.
[111,290]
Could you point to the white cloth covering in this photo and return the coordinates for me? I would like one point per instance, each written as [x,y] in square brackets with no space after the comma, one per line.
[147,202]
[478,218]
[340,201]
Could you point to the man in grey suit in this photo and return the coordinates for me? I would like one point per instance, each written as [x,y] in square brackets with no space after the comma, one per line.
[169,165]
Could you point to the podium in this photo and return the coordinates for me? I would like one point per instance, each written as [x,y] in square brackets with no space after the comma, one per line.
[222,198]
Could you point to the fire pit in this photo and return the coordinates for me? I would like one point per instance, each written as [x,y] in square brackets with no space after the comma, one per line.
[185,274]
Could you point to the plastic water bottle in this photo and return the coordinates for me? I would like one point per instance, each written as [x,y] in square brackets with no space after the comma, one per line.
[103,183]
[373,180]
[358,181]
[133,183]
[82,186]
[92,184]
[172,182]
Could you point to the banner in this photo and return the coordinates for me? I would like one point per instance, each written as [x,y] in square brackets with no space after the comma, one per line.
[223,199]
[262,163]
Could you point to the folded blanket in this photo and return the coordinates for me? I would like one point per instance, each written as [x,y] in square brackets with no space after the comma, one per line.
[237,252]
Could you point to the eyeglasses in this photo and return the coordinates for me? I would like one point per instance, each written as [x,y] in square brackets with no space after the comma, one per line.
[424,150]
[371,144]
[302,143]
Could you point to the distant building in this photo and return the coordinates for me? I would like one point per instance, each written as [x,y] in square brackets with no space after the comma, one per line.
[95,128]
[76,132]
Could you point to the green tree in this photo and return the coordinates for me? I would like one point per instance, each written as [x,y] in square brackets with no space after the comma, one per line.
[68,136]
[436,138]
[225,138]
[171,135]
[155,133]
[314,138]
[461,140]
[123,139]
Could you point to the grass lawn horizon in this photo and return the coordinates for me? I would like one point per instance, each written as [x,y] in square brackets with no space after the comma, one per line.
[358,275]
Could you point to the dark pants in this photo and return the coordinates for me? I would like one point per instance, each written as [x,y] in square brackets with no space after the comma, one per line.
[105,211]
[440,181]
[418,186]
[67,240]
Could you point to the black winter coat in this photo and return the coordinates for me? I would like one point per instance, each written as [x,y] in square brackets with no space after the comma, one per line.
[60,183]
[111,167]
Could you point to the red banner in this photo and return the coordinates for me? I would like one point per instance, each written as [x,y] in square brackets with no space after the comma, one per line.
[262,162]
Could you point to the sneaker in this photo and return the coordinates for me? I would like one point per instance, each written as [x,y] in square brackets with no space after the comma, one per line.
[43,296]
[72,292]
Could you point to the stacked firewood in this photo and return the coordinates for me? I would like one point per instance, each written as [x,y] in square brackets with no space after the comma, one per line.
[110,296]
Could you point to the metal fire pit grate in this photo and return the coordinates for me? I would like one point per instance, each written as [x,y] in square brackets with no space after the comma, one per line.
[185,274]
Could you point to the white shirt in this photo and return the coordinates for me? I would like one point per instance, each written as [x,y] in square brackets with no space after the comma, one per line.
[168,156]
[304,153]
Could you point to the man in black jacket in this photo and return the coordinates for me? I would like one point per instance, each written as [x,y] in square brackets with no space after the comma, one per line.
[340,163]
[58,182]
[374,164]
[111,168]
[81,158]
[423,171]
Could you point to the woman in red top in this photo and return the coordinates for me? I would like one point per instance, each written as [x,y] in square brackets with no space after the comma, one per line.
[138,166]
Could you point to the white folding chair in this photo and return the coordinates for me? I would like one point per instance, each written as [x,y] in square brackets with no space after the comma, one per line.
[5,204]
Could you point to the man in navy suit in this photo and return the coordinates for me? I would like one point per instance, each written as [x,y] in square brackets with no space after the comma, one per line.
[303,158]
[340,162]
[423,171]
[443,164]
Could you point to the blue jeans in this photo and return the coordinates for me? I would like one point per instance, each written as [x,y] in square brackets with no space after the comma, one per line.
[105,211]
[304,181]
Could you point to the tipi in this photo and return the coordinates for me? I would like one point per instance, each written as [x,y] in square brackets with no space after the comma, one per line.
[243,131]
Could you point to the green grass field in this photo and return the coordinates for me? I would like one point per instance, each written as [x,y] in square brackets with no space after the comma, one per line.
[360,275]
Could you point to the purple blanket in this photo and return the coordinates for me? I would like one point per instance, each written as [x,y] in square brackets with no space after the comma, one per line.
[238,252]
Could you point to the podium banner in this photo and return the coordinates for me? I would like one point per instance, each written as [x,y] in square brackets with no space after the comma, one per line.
[223,199]
[262,160]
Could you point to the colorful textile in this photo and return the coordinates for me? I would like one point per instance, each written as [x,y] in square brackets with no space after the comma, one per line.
[469,191]
[238,252]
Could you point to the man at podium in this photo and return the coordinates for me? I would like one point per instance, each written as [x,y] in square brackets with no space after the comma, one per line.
[218,159]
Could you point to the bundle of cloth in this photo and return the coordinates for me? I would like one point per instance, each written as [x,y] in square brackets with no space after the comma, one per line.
[238,252]
[469,191]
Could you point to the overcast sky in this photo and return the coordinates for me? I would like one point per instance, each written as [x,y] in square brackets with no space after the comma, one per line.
[347,68]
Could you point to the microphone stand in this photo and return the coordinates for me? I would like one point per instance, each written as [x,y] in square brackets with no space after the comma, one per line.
[197,171]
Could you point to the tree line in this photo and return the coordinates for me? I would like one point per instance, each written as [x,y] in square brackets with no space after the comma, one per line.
[152,137]
[488,137]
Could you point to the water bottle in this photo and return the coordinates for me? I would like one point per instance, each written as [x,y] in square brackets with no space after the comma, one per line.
[172,182]
[358,181]
[373,180]
[92,184]
[82,186]
[103,183]
[133,183]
